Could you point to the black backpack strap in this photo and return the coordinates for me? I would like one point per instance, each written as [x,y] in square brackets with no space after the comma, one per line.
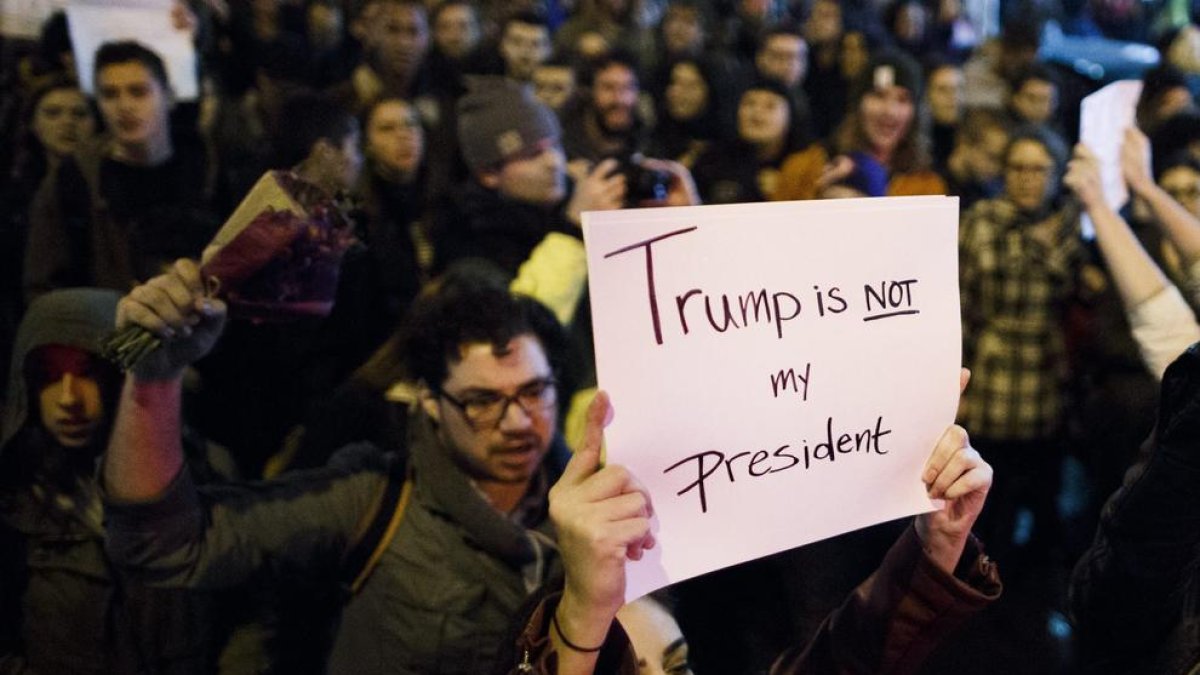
[379,528]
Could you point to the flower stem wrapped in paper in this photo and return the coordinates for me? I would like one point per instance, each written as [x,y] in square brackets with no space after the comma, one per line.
[276,258]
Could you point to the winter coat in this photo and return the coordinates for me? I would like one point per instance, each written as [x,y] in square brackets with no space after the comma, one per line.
[63,608]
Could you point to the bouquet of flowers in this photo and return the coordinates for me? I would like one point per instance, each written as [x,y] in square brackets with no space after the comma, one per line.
[276,258]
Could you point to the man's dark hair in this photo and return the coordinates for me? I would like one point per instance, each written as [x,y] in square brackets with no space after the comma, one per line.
[128,51]
[360,6]
[471,304]
[1179,131]
[528,17]
[978,121]
[310,117]
[1176,160]
[447,4]
[1036,71]
[559,59]
[54,41]
[613,57]
[786,29]
[1022,34]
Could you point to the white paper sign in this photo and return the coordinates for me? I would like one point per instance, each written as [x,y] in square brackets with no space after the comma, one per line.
[1103,118]
[149,22]
[779,372]
[23,19]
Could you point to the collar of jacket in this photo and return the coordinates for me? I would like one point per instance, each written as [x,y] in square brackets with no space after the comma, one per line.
[449,492]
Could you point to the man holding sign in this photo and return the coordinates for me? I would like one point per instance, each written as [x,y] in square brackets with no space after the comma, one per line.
[934,577]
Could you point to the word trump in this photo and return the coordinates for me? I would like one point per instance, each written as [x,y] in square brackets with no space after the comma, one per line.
[726,312]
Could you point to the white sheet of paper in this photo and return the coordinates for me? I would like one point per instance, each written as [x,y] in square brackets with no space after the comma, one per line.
[1103,118]
[693,400]
[147,21]
[23,19]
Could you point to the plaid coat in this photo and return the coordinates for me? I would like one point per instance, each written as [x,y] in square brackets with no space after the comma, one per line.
[1017,277]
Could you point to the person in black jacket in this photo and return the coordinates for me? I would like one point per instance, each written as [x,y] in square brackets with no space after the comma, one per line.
[1133,594]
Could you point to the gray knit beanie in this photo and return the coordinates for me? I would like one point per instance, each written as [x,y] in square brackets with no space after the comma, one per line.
[498,118]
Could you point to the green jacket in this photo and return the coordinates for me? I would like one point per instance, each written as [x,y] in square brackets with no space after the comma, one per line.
[445,588]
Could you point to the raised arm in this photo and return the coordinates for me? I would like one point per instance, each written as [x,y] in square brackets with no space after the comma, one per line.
[165,531]
[1163,325]
[145,453]
[1135,274]
[1180,226]
[932,579]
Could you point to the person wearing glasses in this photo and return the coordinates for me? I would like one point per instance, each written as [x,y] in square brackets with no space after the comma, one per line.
[469,537]
[1020,259]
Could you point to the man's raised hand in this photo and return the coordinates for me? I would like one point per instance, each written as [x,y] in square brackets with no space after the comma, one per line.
[174,307]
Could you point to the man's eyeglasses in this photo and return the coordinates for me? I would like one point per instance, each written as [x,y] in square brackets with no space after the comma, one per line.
[484,410]
[1034,169]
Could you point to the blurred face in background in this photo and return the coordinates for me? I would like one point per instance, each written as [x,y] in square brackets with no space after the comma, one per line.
[554,85]
[824,25]
[984,160]
[524,46]
[395,139]
[763,118]
[945,94]
[1183,184]
[656,638]
[682,30]
[1036,101]
[61,119]
[784,58]
[135,105]
[324,25]
[614,98]
[1029,179]
[687,93]
[887,116]
[397,37]
[456,31]
[855,54]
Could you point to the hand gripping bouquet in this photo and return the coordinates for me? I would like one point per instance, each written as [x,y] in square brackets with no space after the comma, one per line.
[276,258]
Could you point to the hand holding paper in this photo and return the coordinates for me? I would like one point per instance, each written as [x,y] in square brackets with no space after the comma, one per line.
[1135,161]
[602,516]
[1083,177]
[957,474]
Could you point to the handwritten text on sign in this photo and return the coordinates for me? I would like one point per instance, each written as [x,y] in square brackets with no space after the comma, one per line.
[779,372]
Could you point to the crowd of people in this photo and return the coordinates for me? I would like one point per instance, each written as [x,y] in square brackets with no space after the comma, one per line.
[359,493]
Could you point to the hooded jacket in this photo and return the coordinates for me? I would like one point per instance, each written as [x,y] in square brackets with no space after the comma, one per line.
[62,609]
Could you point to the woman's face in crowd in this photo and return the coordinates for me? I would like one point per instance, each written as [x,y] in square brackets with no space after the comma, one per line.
[824,23]
[61,119]
[1183,184]
[763,117]
[687,94]
[659,644]
[1029,175]
[945,94]
[887,115]
[456,31]
[855,54]
[395,138]
[682,30]
[135,105]
[70,405]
